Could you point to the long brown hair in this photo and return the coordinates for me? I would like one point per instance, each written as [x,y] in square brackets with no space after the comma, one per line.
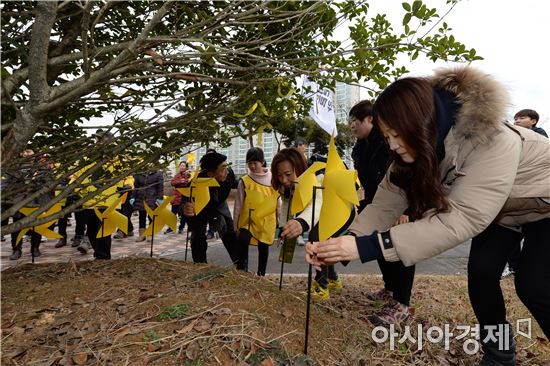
[408,107]
[291,155]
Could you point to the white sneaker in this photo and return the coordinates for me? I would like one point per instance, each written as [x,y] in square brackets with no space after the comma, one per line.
[300,241]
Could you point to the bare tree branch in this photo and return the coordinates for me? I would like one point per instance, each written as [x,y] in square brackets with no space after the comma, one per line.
[80,86]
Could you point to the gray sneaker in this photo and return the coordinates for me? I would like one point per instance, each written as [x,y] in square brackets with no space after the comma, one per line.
[86,242]
[119,235]
[84,245]
[393,313]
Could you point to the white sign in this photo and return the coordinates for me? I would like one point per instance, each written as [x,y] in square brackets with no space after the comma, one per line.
[322,106]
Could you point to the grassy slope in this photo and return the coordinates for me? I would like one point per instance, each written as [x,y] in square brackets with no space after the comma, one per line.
[139,311]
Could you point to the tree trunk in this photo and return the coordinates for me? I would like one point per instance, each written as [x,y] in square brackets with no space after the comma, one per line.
[15,141]
[28,122]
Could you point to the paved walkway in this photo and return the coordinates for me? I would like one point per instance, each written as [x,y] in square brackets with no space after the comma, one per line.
[172,246]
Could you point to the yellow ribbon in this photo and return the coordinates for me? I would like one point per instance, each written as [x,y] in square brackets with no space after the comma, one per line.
[290,92]
[252,109]
[293,104]
[261,133]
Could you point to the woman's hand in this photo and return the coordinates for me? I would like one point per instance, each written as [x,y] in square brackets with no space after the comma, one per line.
[311,258]
[343,248]
[403,219]
[189,209]
[291,229]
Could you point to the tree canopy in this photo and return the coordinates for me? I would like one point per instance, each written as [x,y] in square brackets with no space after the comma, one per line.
[167,74]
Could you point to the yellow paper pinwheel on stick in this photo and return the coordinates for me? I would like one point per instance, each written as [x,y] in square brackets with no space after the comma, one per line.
[42,229]
[112,219]
[199,191]
[303,189]
[338,196]
[161,216]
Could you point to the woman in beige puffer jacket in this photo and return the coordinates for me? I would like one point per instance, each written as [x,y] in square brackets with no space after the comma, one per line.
[466,174]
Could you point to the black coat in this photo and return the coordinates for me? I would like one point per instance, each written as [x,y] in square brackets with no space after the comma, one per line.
[370,159]
[540,131]
[23,182]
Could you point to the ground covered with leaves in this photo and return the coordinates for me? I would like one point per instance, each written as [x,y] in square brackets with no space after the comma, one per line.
[141,311]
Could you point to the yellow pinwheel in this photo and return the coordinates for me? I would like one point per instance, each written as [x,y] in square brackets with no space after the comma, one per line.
[42,229]
[303,189]
[161,216]
[111,219]
[199,191]
[339,194]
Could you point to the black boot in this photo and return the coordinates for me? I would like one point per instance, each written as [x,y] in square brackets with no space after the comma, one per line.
[493,355]
[35,251]
[61,243]
[76,241]
[16,254]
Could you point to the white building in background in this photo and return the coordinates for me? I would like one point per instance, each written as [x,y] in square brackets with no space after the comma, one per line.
[236,152]
[345,97]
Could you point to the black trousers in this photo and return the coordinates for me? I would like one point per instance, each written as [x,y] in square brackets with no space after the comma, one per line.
[488,255]
[80,224]
[398,279]
[177,210]
[325,274]
[242,252]
[102,246]
[126,209]
[143,219]
[513,261]
[197,226]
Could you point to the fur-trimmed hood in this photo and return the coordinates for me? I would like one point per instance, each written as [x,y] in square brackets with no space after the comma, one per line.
[483,101]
